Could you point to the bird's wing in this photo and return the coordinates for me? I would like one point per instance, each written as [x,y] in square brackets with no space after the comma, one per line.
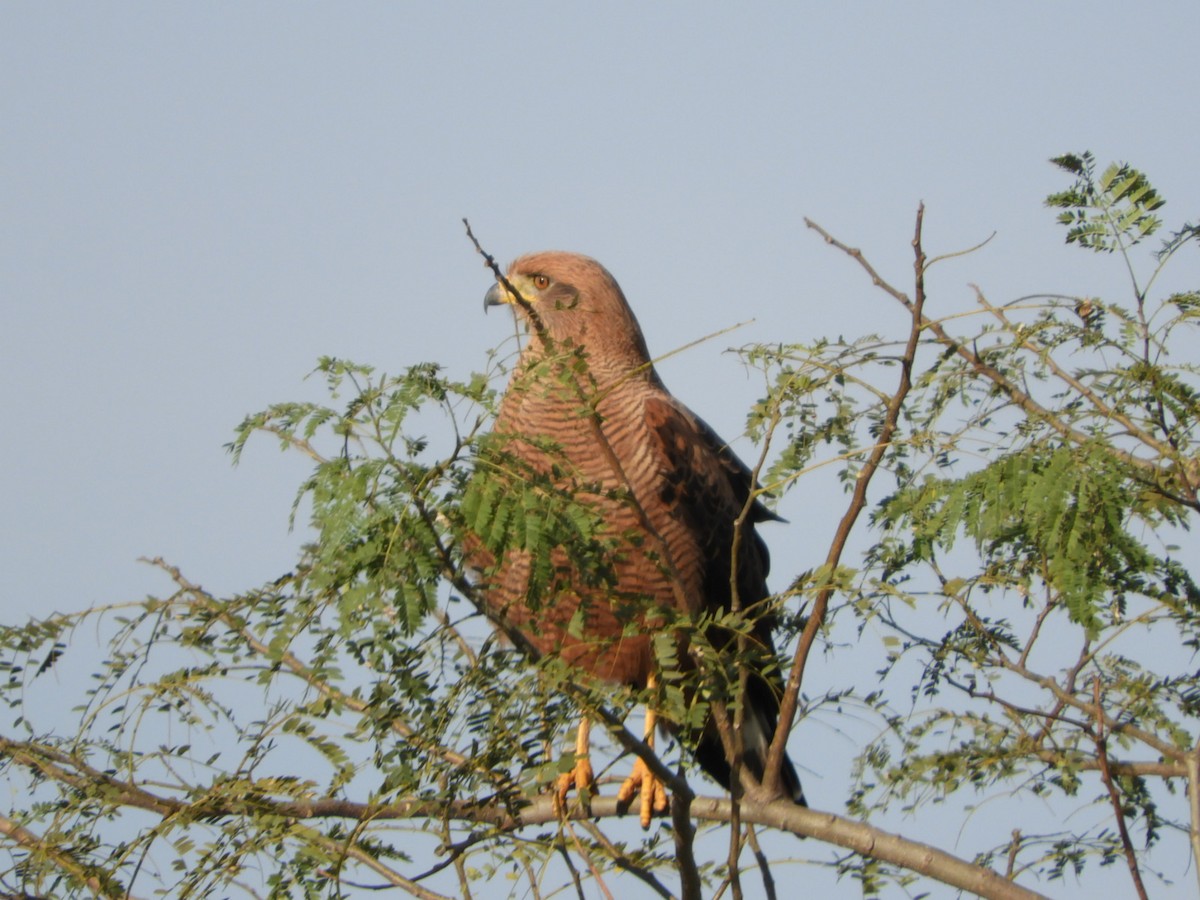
[705,486]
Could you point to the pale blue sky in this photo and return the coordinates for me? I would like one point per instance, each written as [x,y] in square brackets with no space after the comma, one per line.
[199,200]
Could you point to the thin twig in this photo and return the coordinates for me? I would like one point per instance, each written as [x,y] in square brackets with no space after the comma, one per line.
[1019,397]
[1114,796]
[954,254]
[622,860]
[35,845]
[464,647]
[1014,848]
[685,837]
[1036,631]
[1193,793]
[586,856]
[764,865]
[561,846]
[454,852]
[358,854]
[858,500]
[531,879]
[457,855]
[1103,410]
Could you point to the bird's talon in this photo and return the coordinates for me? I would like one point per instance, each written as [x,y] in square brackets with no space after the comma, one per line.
[653,792]
[581,778]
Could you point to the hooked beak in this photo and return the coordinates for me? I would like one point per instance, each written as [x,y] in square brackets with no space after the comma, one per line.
[496,296]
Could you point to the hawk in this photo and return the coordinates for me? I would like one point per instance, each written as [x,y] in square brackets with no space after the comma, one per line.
[586,410]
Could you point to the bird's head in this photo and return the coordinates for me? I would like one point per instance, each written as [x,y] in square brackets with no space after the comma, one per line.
[573,299]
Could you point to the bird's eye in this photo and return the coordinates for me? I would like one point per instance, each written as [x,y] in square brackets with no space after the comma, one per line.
[541,282]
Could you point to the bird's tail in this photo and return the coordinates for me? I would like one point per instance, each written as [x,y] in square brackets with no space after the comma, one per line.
[761,717]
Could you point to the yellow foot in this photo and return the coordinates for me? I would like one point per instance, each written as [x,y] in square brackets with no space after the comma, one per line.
[582,778]
[653,791]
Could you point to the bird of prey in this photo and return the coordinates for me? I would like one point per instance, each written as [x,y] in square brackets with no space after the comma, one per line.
[586,409]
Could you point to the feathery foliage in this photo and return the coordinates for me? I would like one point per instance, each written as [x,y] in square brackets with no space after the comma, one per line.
[1020,623]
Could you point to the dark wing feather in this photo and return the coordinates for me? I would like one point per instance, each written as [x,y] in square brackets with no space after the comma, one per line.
[705,486]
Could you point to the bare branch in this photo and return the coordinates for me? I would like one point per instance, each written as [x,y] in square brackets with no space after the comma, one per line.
[1193,794]
[764,865]
[1019,397]
[858,499]
[685,836]
[1114,796]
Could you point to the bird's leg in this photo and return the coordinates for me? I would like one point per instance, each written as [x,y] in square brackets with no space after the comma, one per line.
[581,776]
[653,791]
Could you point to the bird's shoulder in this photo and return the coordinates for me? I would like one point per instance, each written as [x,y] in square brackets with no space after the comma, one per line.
[700,469]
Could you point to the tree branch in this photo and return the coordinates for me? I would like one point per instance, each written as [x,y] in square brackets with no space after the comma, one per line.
[537,811]
[61,857]
[1114,797]
[1103,410]
[858,500]
[1193,794]
[764,865]
[1020,398]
